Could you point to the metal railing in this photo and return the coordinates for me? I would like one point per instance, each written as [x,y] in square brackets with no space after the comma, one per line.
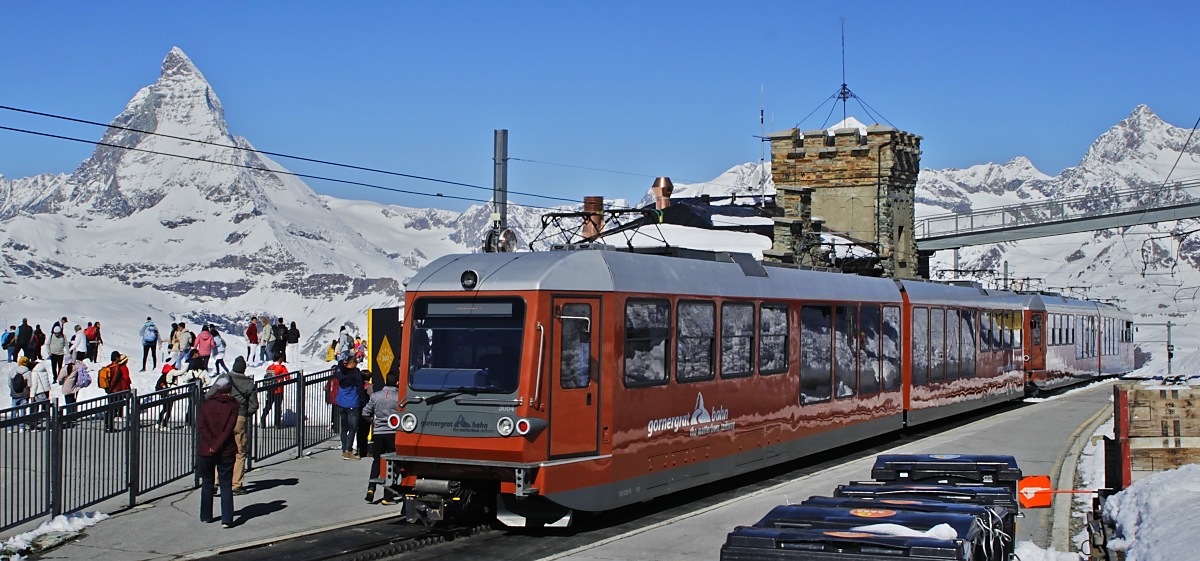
[1059,210]
[57,459]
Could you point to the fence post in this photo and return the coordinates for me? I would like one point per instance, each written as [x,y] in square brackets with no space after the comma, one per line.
[133,428]
[193,418]
[300,414]
[56,445]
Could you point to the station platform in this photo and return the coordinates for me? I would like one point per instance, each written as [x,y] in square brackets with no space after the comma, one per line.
[295,497]
[288,497]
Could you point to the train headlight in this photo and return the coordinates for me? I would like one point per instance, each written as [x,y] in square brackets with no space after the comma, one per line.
[505,426]
[408,422]
[523,427]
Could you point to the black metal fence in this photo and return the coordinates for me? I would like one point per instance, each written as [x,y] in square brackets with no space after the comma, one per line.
[57,459]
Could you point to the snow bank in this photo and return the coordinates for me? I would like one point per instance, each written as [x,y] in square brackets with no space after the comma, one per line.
[1027,551]
[941,531]
[61,524]
[1156,518]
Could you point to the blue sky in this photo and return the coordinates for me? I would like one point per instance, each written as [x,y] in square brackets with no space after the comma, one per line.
[654,88]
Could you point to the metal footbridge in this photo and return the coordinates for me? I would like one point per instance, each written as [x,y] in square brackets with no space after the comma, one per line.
[1054,217]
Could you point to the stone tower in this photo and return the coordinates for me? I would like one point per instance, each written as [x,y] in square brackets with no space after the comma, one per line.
[858,186]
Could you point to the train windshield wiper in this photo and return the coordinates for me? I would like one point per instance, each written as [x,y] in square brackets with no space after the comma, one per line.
[449,393]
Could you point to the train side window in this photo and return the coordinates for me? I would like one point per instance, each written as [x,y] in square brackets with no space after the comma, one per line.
[1056,338]
[937,344]
[1006,331]
[737,339]
[969,351]
[696,336]
[1035,329]
[985,343]
[997,328]
[920,346]
[575,362]
[773,339]
[816,356]
[953,345]
[845,352]
[869,375]
[891,348]
[647,337]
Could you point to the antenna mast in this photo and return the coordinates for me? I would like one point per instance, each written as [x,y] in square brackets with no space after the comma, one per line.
[762,141]
[844,93]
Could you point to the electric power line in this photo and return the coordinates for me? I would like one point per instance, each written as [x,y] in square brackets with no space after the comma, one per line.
[277,154]
[268,170]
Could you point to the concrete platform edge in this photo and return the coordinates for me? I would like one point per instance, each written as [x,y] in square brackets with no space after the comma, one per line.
[1060,538]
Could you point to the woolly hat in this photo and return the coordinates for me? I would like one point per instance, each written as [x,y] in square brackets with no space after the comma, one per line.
[239,365]
[223,384]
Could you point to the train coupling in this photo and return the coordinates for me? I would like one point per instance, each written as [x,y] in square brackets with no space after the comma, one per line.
[430,500]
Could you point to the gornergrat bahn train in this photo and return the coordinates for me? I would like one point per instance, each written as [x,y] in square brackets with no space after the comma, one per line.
[547,383]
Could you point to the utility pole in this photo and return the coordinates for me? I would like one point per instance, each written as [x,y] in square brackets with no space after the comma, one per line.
[1170,344]
[500,181]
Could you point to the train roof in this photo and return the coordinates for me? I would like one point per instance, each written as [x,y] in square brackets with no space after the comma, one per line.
[927,293]
[721,274]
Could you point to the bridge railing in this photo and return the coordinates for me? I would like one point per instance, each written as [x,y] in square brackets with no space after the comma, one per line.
[58,459]
[1058,210]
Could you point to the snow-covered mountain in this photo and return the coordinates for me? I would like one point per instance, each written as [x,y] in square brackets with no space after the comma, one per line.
[210,238]
[1154,270]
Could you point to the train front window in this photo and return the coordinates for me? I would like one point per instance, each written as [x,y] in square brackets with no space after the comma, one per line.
[470,345]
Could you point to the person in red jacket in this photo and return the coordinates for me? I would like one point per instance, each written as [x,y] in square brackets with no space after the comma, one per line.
[119,382]
[216,451]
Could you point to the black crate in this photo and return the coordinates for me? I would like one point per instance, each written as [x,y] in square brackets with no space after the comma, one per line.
[802,533]
[995,520]
[962,494]
[950,469]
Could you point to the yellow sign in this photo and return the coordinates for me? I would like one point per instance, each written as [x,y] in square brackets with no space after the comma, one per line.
[384,356]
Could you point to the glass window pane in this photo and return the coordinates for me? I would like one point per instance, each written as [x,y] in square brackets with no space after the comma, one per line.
[773,339]
[575,355]
[937,344]
[696,332]
[953,358]
[816,353]
[737,339]
[920,346]
[647,334]
[869,341]
[846,352]
[968,343]
[891,348]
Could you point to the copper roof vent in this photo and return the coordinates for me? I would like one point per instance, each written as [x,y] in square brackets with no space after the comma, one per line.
[662,190]
[594,224]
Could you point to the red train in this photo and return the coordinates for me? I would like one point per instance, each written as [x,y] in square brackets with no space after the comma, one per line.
[552,382]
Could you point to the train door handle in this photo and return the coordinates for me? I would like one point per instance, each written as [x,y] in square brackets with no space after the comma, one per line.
[589,398]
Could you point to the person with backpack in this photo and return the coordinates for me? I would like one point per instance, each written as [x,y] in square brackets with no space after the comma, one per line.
[57,348]
[280,333]
[218,353]
[345,345]
[276,373]
[383,404]
[169,378]
[247,398]
[92,334]
[114,378]
[39,341]
[9,342]
[149,335]
[217,450]
[18,383]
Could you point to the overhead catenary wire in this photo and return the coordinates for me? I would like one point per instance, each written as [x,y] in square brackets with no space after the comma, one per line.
[277,154]
[263,169]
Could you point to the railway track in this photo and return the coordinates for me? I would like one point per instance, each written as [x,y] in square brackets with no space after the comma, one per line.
[392,538]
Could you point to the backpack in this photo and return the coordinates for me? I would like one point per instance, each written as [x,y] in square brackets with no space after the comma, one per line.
[6,339]
[151,334]
[83,380]
[281,333]
[106,376]
[331,353]
[19,383]
[90,333]
[161,384]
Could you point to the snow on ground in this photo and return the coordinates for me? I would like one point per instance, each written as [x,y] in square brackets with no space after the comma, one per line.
[1157,517]
[61,524]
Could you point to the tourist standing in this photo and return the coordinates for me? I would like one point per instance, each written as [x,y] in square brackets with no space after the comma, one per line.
[18,390]
[204,346]
[39,341]
[276,373]
[68,378]
[280,334]
[242,391]
[266,335]
[218,351]
[350,400]
[9,342]
[345,344]
[79,346]
[57,348]
[252,341]
[293,342]
[149,334]
[216,453]
[114,378]
[382,405]
[24,336]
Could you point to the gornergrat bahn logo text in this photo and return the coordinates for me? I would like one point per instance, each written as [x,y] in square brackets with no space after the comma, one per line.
[461,425]
[699,422]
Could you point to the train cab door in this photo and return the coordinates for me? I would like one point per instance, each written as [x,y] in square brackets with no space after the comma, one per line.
[1036,347]
[575,377]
